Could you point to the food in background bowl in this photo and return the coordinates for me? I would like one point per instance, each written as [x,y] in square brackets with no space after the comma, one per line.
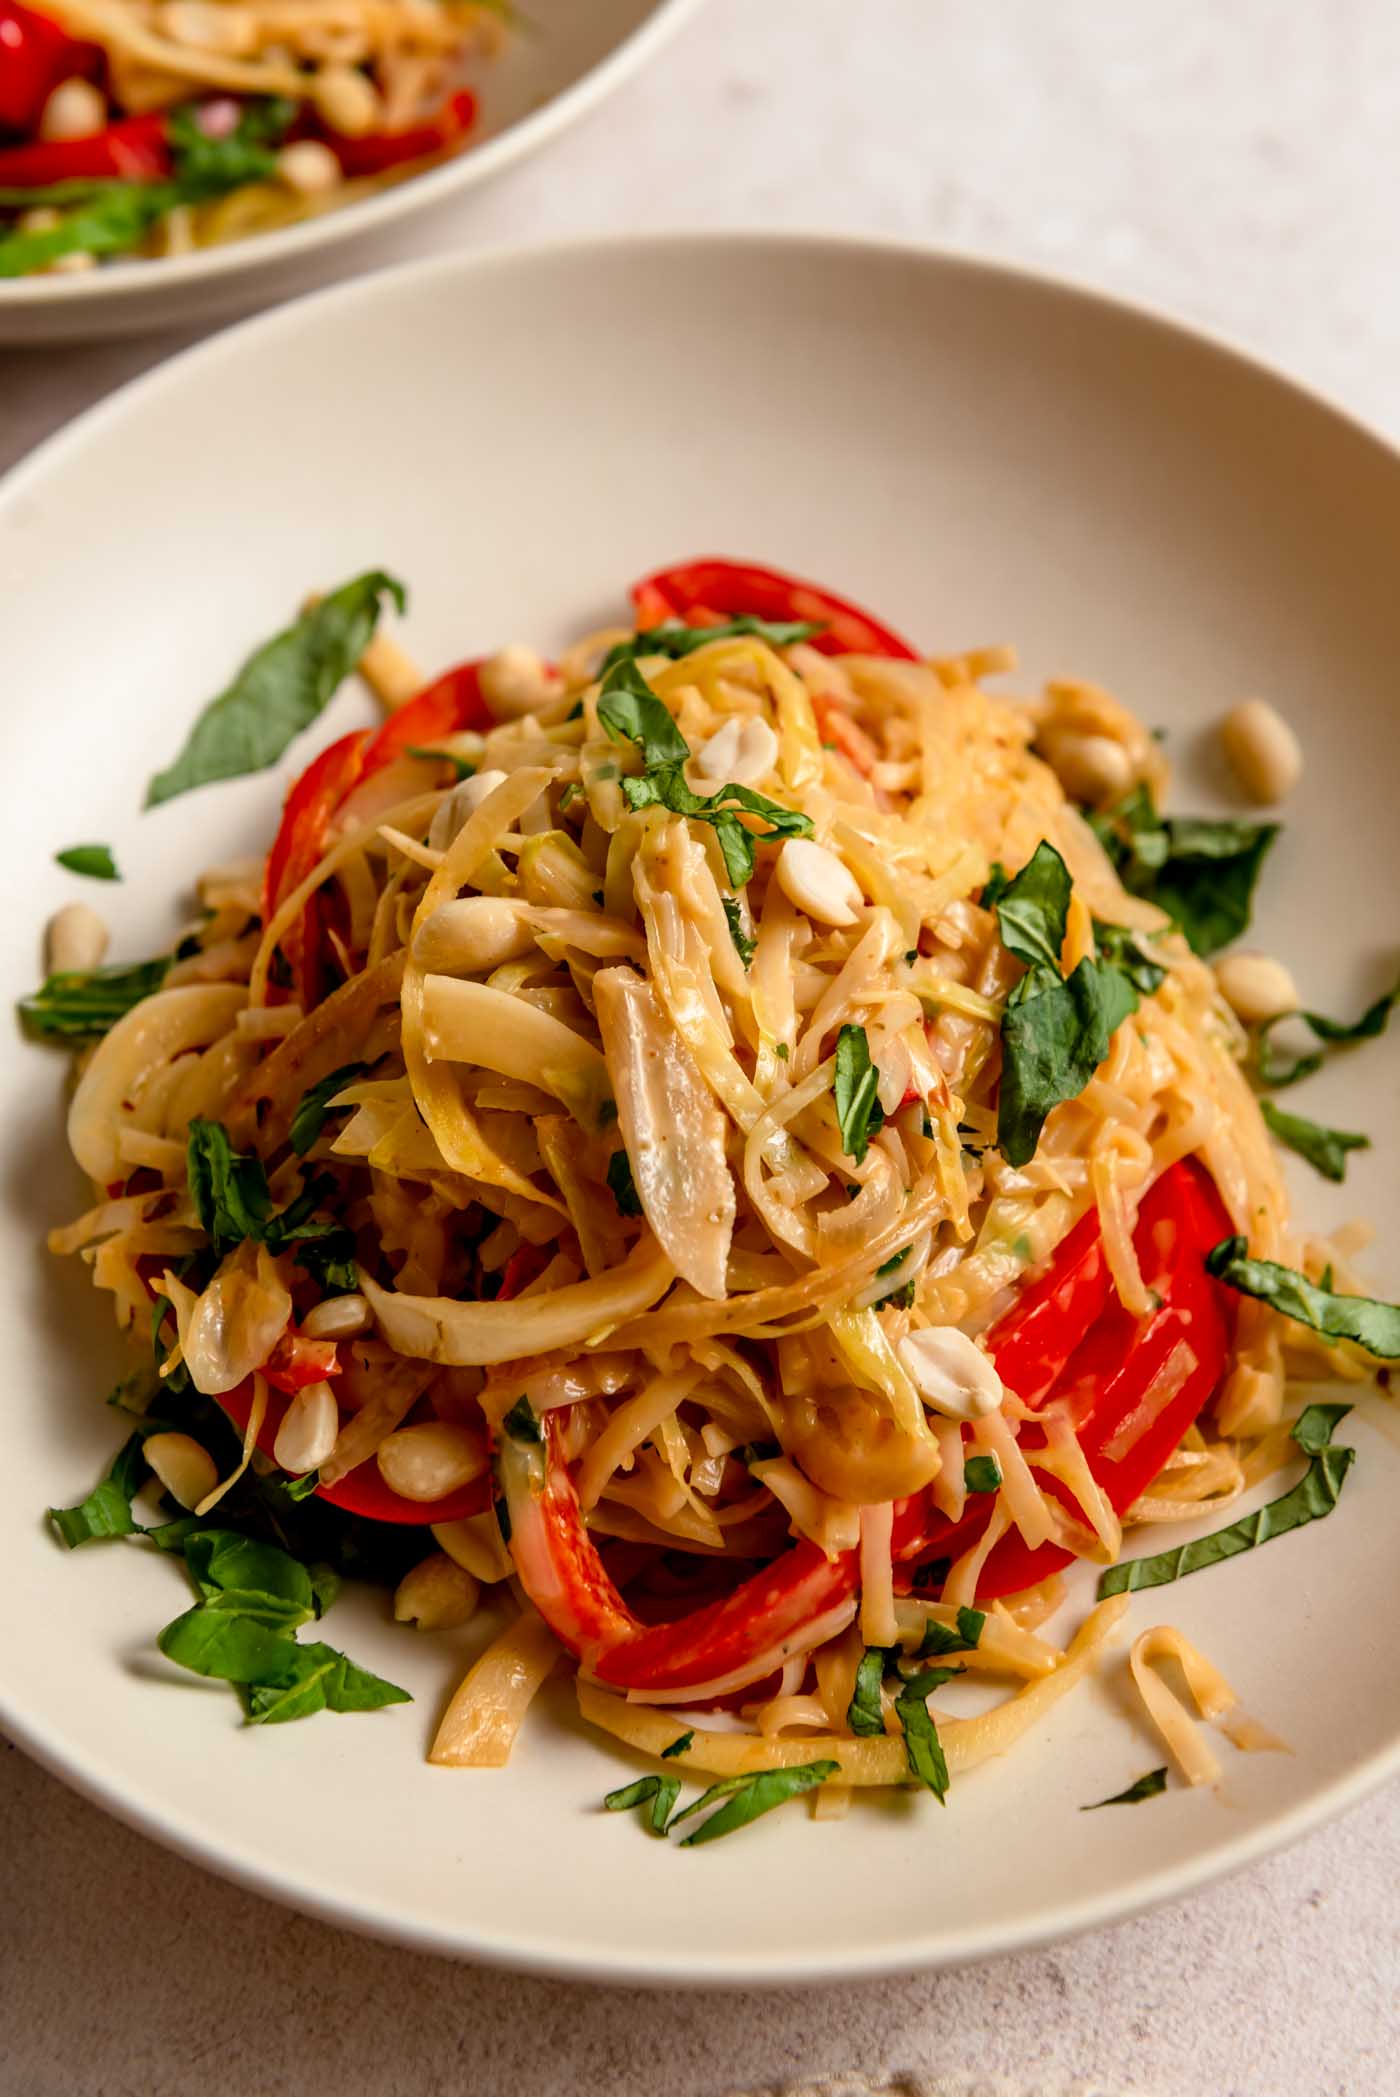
[129,129]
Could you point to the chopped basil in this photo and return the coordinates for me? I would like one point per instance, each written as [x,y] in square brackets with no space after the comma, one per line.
[678,1746]
[330,1261]
[664,787]
[107,1509]
[280,690]
[522,1423]
[782,1052]
[892,1266]
[1150,1786]
[81,1004]
[1125,951]
[673,639]
[95,861]
[230,1192]
[314,1105]
[1325,1149]
[1203,874]
[462,766]
[743,943]
[747,1798]
[1315,1495]
[939,1639]
[1371,1323]
[631,713]
[622,1184]
[1276,1071]
[923,1750]
[865,1714]
[856,1084]
[656,1792]
[982,1474]
[1055,1032]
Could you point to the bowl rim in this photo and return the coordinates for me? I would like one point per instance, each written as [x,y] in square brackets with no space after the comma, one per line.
[560,1958]
[127,281]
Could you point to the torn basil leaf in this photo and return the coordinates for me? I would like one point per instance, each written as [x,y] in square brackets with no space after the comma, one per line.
[1202,873]
[107,1509]
[622,1185]
[1054,1037]
[1325,1149]
[664,786]
[748,1798]
[330,1260]
[80,1004]
[678,1746]
[95,861]
[315,1103]
[743,944]
[1033,910]
[923,1750]
[1150,1786]
[865,1714]
[522,1423]
[1275,1069]
[1124,951]
[1314,1496]
[657,1793]
[940,1639]
[673,639]
[462,766]
[631,713]
[856,1085]
[982,1474]
[230,1192]
[280,690]
[1372,1324]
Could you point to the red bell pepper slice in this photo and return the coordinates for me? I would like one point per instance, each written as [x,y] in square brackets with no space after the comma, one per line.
[704,593]
[297,1361]
[362,1491]
[135,150]
[446,707]
[378,151]
[35,56]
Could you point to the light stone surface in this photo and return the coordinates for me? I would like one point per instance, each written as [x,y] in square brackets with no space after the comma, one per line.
[1237,166]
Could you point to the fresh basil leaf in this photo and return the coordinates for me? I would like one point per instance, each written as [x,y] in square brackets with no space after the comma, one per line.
[1150,1786]
[230,1193]
[678,1746]
[1314,1496]
[280,690]
[208,167]
[865,1714]
[522,1423]
[939,1639]
[1124,951]
[253,1579]
[303,1487]
[657,1793]
[1054,1037]
[95,861]
[113,219]
[314,1105]
[856,1085]
[1033,910]
[1275,1070]
[330,1260]
[1203,874]
[80,1004]
[673,639]
[982,1474]
[319,1678]
[231,1648]
[1325,1149]
[743,944]
[622,1184]
[664,786]
[748,1798]
[923,1750]
[107,1509]
[460,765]
[1371,1323]
[995,885]
[631,713]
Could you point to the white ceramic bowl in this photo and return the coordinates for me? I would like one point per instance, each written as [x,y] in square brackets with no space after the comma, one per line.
[977,455]
[564,61]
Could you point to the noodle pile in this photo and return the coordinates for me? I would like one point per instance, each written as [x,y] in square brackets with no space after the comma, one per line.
[583,1124]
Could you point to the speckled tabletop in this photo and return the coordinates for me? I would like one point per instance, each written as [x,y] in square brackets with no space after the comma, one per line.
[1237,165]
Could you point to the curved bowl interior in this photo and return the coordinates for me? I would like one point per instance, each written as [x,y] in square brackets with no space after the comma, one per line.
[563,61]
[979,456]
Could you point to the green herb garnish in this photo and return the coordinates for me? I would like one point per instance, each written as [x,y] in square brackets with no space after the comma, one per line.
[622,1184]
[95,861]
[856,1085]
[938,1639]
[657,1793]
[673,639]
[1325,1149]
[923,1750]
[1203,874]
[1150,1786]
[748,1798]
[982,1474]
[314,1105]
[230,1192]
[1371,1323]
[78,1005]
[744,945]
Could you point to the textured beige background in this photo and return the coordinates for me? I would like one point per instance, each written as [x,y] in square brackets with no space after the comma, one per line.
[1239,165]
